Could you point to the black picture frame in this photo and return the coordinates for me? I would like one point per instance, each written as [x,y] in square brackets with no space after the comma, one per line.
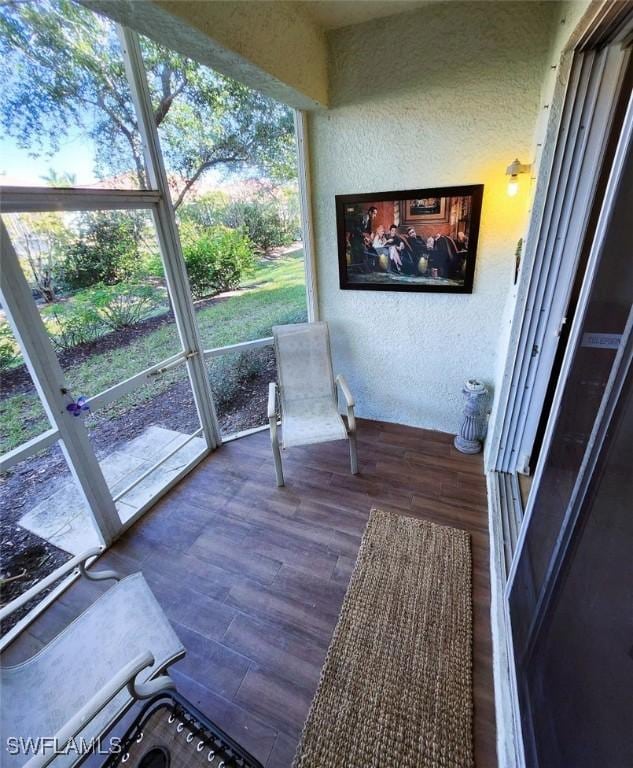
[450,257]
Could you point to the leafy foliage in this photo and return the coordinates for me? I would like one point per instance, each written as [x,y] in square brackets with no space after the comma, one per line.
[123,305]
[71,323]
[217,261]
[9,350]
[105,251]
[270,217]
[231,373]
[62,73]
[39,240]
[263,224]
[94,311]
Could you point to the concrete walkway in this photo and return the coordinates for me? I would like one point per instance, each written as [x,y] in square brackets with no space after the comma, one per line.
[63,519]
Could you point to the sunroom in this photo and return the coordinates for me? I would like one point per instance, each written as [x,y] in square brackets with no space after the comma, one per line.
[315,368]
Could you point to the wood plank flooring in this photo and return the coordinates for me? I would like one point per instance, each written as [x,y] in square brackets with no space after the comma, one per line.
[252,577]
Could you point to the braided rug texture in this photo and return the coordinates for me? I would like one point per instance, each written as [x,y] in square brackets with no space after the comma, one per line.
[396,686]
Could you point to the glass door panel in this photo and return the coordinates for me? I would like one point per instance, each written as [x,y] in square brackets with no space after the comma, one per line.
[37,492]
[580,673]
[602,326]
[566,600]
[108,314]
[145,439]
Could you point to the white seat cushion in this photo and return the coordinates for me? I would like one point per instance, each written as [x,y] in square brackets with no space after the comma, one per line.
[42,693]
[313,420]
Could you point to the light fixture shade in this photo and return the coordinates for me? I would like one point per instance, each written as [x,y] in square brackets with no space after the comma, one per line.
[513,186]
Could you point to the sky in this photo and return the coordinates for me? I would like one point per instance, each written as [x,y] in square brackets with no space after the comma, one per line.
[75,155]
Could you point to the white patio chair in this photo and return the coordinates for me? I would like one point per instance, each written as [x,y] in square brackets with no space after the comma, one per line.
[307,393]
[79,684]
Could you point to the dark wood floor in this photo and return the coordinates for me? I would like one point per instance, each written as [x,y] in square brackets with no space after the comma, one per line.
[252,576]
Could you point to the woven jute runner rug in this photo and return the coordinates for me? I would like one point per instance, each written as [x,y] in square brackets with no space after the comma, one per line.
[396,686]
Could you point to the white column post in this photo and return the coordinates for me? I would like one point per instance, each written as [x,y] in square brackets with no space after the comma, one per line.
[50,382]
[175,269]
[305,201]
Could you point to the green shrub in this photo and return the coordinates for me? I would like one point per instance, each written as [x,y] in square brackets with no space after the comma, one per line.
[106,251]
[71,323]
[218,261]
[9,351]
[152,266]
[269,217]
[231,373]
[122,305]
[262,222]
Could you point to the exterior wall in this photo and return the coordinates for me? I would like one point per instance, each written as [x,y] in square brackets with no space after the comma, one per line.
[445,95]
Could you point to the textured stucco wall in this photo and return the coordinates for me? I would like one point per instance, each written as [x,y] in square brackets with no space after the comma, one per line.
[275,36]
[445,95]
[269,45]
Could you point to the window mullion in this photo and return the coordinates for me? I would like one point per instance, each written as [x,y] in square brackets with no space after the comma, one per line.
[164,216]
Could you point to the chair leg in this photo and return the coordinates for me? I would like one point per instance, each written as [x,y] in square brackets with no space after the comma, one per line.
[277,457]
[353,454]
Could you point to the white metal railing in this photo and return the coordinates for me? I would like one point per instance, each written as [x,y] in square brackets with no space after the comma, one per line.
[243,346]
[134,382]
[32,446]
[110,395]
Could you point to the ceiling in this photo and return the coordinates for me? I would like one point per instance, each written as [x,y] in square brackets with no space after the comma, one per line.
[332,14]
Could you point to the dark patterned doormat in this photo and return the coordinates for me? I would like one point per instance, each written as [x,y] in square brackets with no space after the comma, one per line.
[396,687]
[169,732]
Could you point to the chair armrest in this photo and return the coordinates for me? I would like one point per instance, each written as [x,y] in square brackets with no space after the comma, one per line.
[75,562]
[123,678]
[347,392]
[272,400]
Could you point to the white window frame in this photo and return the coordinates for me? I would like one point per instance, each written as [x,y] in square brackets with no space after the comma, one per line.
[305,204]
[603,419]
[40,358]
[29,329]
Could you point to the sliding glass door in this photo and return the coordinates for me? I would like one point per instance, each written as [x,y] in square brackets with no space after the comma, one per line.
[572,579]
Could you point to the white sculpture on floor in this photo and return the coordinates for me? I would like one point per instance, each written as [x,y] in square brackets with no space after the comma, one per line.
[473,427]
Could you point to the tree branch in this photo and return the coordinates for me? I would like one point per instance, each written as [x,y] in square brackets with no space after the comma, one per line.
[168,95]
[200,170]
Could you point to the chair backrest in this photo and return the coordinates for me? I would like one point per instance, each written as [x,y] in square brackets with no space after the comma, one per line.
[304,363]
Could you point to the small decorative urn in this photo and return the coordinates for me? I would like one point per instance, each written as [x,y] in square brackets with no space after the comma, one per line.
[472,428]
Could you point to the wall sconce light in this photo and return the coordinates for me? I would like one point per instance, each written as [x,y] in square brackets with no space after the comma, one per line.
[513,171]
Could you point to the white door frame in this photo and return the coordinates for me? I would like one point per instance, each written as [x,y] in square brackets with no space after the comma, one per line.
[603,418]
[554,243]
[538,315]
[169,239]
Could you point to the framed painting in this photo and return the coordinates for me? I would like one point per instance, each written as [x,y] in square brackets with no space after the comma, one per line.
[414,240]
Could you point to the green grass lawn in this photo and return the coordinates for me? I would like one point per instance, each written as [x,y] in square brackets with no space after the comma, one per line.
[275,293]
